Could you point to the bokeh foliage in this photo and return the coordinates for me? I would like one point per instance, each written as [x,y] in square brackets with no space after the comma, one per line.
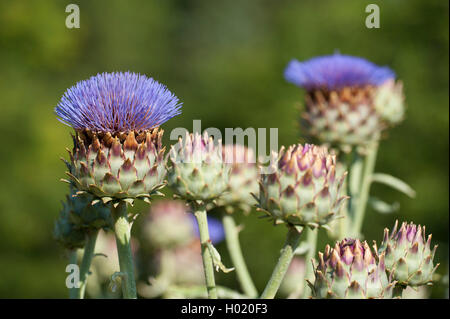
[224,60]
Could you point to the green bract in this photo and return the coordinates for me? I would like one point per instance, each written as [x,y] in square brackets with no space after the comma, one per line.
[196,170]
[86,214]
[303,188]
[119,166]
[79,216]
[409,257]
[389,102]
[350,270]
[67,234]
[243,179]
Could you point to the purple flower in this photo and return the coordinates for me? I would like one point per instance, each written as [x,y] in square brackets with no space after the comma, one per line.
[117,102]
[335,72]
[215,228]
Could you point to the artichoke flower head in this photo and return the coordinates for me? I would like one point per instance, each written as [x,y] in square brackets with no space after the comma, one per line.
[351,270]
[117,153]
[409,255]
[349,100]
[196,170]
[304,188]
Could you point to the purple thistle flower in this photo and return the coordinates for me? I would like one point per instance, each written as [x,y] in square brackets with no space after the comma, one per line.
[117,102]
[335,72]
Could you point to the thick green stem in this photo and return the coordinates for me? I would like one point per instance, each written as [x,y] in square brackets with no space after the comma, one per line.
[86,261]
[234,248]
[166,276]
[287,252]
[73,259]
[311,239]
[122,230]
[398,291]
[355,170]
[208,266]
[369,166]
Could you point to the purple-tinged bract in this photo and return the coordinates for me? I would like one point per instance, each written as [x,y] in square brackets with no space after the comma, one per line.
[117,102]
[335,72]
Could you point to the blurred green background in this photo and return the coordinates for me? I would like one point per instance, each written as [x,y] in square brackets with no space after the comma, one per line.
[225,61]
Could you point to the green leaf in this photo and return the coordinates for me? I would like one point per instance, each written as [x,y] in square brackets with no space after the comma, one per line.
[115,279]
[394,182]
[383,207]
[217,260]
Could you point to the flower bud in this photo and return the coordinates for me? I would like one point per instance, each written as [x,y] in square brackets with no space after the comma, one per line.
[79,216]
[304,189]
[168,225]
[67,234]
[409,256]
[351,270]
[197,172]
